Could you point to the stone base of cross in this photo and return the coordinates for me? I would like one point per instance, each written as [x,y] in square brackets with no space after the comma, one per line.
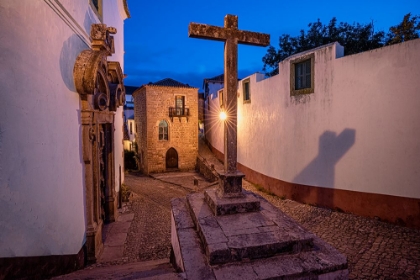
[230,184]
[231,179]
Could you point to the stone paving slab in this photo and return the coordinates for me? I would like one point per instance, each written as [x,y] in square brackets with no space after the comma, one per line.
[188,255]
[184,179]
[150,270]
[115,235]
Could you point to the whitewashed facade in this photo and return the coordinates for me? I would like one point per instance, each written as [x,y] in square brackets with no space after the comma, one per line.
[42,177]
[352,144]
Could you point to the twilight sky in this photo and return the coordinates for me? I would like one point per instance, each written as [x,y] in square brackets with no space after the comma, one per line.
[157,44]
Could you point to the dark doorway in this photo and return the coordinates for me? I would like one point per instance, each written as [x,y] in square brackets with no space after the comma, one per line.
[171,159]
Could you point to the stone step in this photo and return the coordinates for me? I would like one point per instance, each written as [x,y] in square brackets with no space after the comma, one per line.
[249,235]
[322,262]
[226,206]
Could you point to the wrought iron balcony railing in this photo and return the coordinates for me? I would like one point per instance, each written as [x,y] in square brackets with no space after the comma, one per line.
[179,112]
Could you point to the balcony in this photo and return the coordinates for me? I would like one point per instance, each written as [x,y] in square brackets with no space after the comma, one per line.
[178,112]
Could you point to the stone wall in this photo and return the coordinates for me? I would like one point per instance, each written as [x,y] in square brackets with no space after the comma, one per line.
[140,119]
[152,105]
[201,107]
[206,169]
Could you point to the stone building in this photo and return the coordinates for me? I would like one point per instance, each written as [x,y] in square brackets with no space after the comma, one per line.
[61,132]
[166,115]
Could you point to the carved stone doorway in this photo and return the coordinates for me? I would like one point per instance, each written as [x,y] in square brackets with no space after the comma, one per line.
[99,83]
[171,159]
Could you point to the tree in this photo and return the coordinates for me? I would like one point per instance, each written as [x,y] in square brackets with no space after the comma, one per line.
[355,38]
[408,29]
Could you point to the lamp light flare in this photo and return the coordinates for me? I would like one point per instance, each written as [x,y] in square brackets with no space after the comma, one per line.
[222,115]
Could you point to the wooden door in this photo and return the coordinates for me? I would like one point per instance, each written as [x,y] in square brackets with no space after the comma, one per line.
[171,158]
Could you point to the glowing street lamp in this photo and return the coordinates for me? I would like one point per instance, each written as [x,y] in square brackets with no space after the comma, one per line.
[222,115]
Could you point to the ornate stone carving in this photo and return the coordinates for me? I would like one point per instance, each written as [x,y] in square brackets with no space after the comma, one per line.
[99,83]
[101,38]
[94,75]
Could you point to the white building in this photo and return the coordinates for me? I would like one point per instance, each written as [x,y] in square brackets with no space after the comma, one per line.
[53,128]
[130,141]
[335,131]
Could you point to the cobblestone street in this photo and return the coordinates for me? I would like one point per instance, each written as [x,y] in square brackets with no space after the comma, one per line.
[149,237]
[375,250]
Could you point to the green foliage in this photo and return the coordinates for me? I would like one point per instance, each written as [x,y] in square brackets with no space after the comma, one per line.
[354,37]
[408,29]
[129,160]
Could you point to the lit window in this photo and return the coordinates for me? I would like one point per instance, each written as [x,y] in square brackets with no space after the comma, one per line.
[163,130]
[221,100]
[246,91]
[179,105]
[302,75]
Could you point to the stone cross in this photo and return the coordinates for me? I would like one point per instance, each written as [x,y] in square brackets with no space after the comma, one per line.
[231,36]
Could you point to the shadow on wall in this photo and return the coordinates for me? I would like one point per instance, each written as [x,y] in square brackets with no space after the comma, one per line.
[69,52]
[320,171]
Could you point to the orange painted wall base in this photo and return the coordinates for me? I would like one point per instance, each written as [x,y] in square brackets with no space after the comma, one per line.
[402,211]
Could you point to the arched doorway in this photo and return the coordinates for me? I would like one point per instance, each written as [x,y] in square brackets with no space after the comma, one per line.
[171,159]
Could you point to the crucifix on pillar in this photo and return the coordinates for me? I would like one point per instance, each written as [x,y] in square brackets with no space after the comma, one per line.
[231,180]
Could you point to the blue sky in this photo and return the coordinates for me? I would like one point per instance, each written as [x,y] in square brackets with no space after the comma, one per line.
[157,44]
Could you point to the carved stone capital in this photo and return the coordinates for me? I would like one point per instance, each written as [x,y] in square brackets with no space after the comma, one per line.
[95,76]
[90,69]
[101,38]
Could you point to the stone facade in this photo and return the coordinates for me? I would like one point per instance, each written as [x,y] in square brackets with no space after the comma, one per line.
[153,103]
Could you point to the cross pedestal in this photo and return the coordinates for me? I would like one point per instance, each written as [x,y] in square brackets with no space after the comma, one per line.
[231,179]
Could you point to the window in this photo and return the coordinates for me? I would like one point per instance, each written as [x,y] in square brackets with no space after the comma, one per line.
[302,75]
[179,105]
[221,101]
[97,7]
[163,130]
[246,91]
[131,128]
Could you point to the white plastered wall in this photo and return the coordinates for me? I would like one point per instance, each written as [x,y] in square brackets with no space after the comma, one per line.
[42,207]
[358,131]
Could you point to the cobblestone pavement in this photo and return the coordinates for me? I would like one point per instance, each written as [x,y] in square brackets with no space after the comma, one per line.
[375,250]
[149,237]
